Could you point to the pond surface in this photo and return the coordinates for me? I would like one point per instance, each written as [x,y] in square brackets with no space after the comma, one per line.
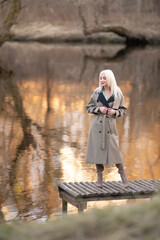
[44,125]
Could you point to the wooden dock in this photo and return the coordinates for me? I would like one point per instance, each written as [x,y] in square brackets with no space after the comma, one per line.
[79,193]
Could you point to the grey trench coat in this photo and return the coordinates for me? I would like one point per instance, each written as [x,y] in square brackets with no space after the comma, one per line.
[103,140]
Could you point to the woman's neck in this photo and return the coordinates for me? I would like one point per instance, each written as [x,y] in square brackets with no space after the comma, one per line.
[106,88]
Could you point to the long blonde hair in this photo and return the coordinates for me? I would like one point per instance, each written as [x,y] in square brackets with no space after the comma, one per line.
[112,84]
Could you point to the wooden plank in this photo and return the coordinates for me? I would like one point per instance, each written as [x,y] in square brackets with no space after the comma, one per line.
[119,197]
[64,187]
[101,190]
[153,183]
[124,189]
[104,189]
[74,186]
[150,185]
[79,188]
[158,182]
[96,192]
[118,188]
[96,189]
[107,188]
[137,188]
[132,188]
[140,186]
[109,185]
[87,193]
[71,186]
[145,185]
[87,187]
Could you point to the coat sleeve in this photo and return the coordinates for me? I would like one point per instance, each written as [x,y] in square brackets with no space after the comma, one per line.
[122,108]
[91,106]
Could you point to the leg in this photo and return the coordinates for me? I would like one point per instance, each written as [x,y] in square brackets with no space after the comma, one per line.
[80,209]
[64,206]
[81,206]
[100,169]
[121,171]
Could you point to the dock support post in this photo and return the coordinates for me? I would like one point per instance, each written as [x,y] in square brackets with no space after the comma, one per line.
[80,209]
[81,206]
[64,206]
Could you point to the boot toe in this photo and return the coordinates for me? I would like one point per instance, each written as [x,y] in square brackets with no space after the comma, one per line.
[99,185]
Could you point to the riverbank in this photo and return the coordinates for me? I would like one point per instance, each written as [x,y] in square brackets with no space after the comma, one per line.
[131,221]
[132,22]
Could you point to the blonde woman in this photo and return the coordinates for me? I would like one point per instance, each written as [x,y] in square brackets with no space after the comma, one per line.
[106,103]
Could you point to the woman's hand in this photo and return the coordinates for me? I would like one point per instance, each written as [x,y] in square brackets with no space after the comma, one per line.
[111,111]
[103,110]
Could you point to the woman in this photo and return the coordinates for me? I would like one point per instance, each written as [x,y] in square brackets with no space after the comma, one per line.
[106,103]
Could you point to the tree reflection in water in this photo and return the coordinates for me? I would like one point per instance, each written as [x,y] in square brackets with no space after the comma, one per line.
[44,125]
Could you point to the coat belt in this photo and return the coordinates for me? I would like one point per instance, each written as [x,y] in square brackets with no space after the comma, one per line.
[105,118]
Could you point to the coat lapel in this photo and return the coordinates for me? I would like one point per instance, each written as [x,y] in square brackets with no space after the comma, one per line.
[102,99]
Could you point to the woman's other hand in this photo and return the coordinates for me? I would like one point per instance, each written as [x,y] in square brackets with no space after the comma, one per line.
[111,111]
[103,110]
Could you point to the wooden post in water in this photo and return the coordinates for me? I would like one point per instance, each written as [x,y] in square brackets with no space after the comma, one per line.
[64,206]
[80,208]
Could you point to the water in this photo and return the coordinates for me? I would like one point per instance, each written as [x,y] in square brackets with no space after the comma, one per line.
[44,125]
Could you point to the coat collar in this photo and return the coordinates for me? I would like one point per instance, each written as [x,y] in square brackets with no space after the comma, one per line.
[102,99]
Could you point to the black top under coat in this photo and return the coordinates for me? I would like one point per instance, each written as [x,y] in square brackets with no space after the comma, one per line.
[102,99]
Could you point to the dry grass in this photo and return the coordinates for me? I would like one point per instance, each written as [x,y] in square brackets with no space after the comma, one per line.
[131,221]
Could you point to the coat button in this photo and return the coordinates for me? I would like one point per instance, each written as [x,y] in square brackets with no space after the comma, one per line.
[100,121]
[108,132]
[99,131]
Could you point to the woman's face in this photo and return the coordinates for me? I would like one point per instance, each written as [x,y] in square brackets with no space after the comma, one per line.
[103,80]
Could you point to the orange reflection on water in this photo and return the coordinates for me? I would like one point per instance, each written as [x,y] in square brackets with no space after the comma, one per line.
[58,134]
[73,168]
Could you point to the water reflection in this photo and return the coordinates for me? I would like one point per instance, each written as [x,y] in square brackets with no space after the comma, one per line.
[44,125]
